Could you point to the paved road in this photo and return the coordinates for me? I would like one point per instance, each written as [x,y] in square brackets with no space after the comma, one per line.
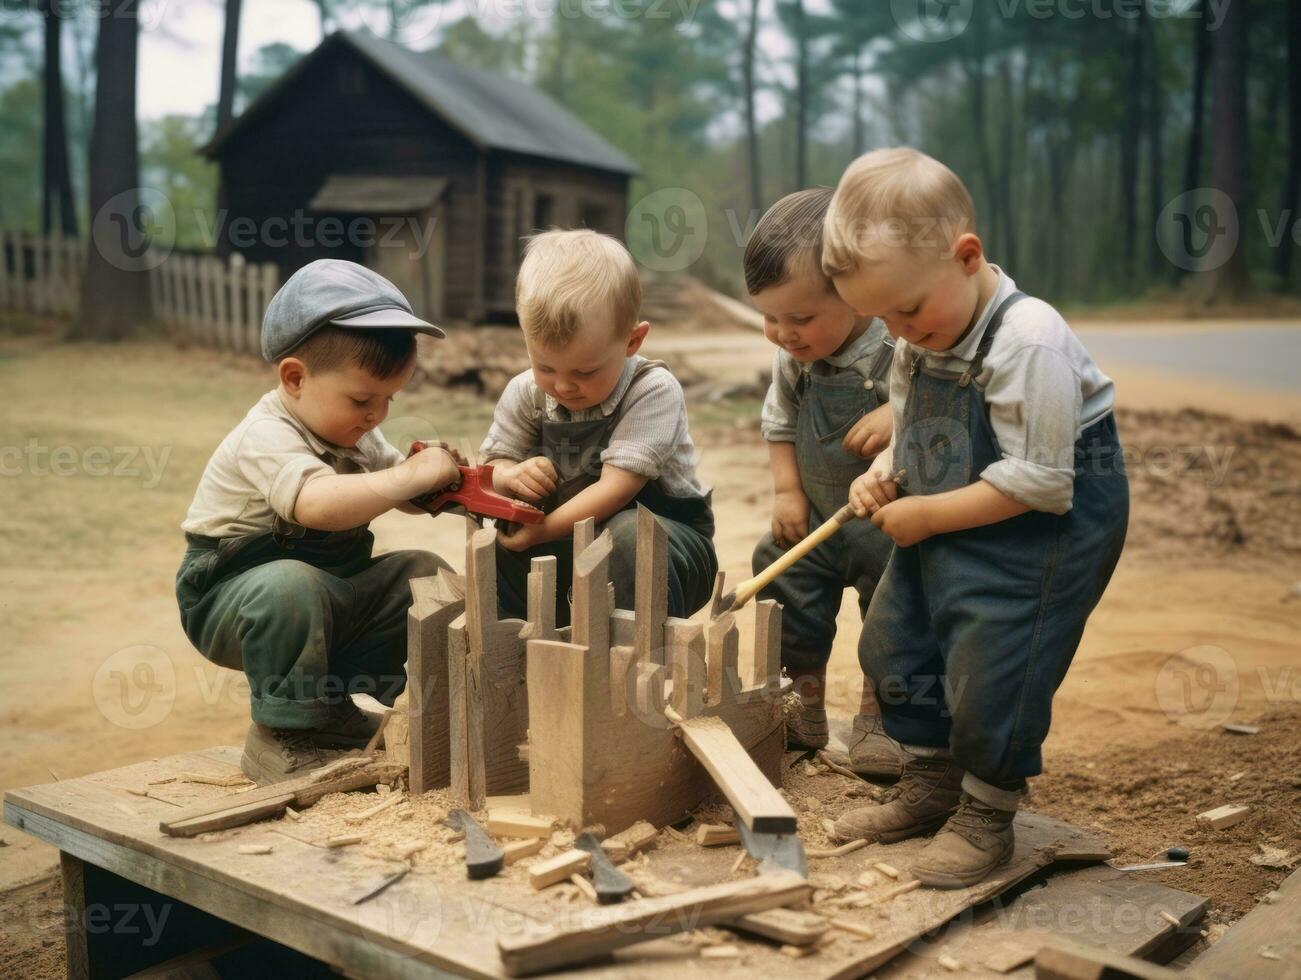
[1252,355]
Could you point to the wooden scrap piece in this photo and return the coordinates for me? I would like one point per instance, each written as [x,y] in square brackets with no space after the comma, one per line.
[514,823]
[214,779]
[547,947]
[652,583]
[767,644]
[238,809]
[716,835]
[686,641]
[722,652]
[790,926]
[527,847]
[254,849]
[558,868]
[831,852]
[541,599]
[629,841]
[1062,959]
[1273,928]
[1223,817]
[344,840]
[392,800]
[755,800]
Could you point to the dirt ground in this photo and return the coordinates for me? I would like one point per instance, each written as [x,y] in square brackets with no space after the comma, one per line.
[1201,625]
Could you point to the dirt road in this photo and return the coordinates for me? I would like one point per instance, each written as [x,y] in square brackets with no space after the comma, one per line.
[103,447]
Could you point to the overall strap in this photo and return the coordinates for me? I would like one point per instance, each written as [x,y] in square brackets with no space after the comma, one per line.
[987,341]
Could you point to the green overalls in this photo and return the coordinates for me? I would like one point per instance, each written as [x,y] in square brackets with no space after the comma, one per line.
[309,616]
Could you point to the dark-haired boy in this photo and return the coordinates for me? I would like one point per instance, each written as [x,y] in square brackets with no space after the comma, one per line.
[278,578]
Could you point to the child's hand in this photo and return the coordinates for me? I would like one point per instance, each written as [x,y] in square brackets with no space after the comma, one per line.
[448,448]
[531,479]
[905,521]
[526,536]
[874,489]
[790,517]
[434,468]
[871,433]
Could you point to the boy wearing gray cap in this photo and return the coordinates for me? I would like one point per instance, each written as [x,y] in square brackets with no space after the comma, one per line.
[278,578]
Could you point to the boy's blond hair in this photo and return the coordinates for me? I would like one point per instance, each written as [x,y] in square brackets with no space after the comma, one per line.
[894,198]
[566,274]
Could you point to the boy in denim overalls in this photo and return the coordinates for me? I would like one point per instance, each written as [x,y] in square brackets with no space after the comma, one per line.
[1008,520]
[593,429]
[826,416]
[278,579]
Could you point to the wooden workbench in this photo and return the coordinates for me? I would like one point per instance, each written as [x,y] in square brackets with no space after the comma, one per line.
[122,876]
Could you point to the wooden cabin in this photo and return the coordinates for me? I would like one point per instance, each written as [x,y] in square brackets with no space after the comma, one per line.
[424,169]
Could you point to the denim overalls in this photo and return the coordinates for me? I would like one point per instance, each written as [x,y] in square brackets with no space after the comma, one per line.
[307,615]
[574,448]
[970,633]
[831,400]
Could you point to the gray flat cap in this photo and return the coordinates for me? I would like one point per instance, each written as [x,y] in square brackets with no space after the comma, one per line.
[337,292]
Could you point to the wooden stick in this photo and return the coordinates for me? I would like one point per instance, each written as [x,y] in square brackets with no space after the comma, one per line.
[831,852]
[751,586]
[611,927]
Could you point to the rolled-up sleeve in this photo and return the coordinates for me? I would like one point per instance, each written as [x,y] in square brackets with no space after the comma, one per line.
[780,413]
[272,458]
[651,426]
[1034,403]
[513,434]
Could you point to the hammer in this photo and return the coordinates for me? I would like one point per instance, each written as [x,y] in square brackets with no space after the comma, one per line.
[748,589]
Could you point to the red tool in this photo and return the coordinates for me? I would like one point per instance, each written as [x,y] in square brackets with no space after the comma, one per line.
[474,492]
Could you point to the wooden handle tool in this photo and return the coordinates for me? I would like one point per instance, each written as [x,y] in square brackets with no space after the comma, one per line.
[751,587]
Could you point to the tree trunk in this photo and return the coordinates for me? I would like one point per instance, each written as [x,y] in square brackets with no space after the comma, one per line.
[1155,150]
[858,138]
[229,54]
[1292,179]
[115,290]
[802,96]
[1197,111]
[751,121]
[1131,129]
[975,70]
[56,174]
[1006,166]
[1230,281]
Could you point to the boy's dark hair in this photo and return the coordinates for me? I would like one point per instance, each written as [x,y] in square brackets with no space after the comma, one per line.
[381,352]
[789,231]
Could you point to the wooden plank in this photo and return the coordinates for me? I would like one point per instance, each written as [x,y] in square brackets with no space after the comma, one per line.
[767,664]
[584,535]
[1223,817]
[465,707]
[623,678]
[1063,959]
[73,872]
[755,800]
[428,737]
[591,619]
[686,651]
[542,599]
[791,926]
[722,650]
[606,929]
[652,601]
[558,868]
[716,835]
[1273,928]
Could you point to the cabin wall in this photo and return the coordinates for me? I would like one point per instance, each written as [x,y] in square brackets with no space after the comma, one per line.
[342,116]
[526,195]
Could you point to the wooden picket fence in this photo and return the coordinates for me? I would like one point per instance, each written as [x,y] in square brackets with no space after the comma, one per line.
[206,300]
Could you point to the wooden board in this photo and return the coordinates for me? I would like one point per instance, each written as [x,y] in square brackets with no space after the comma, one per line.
[1271,927]
[434,606]
[755,799]
[1098,906]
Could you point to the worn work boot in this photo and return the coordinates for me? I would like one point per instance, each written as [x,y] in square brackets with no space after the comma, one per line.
[347,727]
[925,796]
[872,752]
[807,729]
[975,841]
[272,755]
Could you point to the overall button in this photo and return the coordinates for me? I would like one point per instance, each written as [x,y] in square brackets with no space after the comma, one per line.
[869,384]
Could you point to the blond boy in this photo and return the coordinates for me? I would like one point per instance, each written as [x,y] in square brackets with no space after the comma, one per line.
[594,429]
[1008,520]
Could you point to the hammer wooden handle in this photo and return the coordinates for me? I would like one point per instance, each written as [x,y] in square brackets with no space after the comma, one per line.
[748,589]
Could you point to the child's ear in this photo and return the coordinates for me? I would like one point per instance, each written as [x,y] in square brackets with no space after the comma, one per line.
[292,372]
[639,333]
[969,251]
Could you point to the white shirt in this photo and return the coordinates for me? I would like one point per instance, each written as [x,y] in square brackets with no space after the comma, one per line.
[1041,387]
[255,475]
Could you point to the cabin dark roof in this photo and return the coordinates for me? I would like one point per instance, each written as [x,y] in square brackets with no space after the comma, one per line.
[490,110]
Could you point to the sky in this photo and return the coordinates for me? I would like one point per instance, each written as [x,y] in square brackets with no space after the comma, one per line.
[180,41]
